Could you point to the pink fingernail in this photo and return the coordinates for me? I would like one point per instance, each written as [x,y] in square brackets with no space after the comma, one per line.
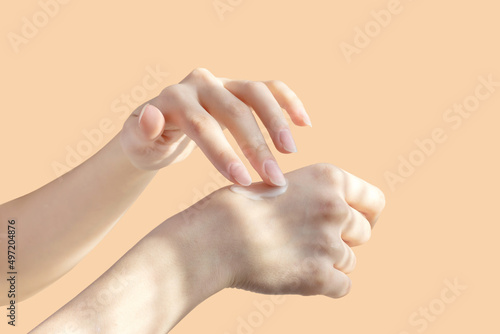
[240,174]
[286,139]
[273,171]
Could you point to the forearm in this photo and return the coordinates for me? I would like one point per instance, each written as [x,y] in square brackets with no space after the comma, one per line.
[61,222]
[150,289]
[294,243]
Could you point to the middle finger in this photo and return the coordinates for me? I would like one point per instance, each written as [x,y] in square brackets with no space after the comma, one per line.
[238,118]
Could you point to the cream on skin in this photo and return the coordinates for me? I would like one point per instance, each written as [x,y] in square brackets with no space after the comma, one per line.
[259,191]
[65,219]
[231,242]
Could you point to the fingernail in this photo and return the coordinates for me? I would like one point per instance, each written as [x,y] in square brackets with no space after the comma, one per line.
[273,171]
[142,112]
[240,174]
[306,119]
[286,139]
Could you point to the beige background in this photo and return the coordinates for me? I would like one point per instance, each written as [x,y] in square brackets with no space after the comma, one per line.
[440,224]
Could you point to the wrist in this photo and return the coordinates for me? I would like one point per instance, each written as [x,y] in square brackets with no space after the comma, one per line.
[123,161]
[194,251]
[189,247]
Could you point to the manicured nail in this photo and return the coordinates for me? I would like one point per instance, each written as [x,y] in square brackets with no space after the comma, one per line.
[306,119]
[273,171]
[286,139]
[142,112]
[240,174]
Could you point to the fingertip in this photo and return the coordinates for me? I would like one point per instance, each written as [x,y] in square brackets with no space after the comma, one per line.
[274,174]
[239,174]
[299,115]
[286,140]
[305,119]
[151,122]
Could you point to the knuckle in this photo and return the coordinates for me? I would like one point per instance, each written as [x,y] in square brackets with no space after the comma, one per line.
[277,84]
[290,97]
[253,150]
[327,245]
[315,275]
[201,73]
[256,86]
[333,207]
[337,247]
[174,92]
[323,246]
[200,123]
[237,109]
[328,173]
[320,280]
[261,147]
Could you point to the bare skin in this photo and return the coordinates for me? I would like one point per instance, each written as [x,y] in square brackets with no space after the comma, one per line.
[61,222]
[296,243]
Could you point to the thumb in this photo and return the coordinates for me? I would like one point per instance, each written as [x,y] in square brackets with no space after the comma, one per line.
[151,122]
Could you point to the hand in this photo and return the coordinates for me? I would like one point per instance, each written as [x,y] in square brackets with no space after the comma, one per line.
[162,131]
[297,243]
